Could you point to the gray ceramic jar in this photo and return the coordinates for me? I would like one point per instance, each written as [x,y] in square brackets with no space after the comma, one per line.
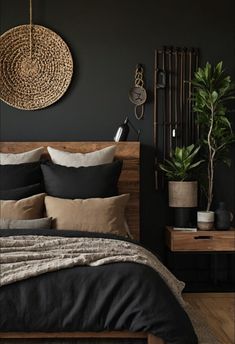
[223,217]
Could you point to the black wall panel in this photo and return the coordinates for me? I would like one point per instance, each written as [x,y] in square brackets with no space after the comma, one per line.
[107,38]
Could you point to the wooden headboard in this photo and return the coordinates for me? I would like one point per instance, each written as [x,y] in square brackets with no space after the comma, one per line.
[129,181]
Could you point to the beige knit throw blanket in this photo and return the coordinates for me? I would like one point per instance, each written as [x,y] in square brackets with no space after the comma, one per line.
[22,257]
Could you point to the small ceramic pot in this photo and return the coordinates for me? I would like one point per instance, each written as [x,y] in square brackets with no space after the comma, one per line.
[205,220]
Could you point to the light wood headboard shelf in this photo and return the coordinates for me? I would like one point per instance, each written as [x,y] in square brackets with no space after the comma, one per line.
[129,181]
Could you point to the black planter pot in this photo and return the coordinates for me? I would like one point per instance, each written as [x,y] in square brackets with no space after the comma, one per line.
[185,217]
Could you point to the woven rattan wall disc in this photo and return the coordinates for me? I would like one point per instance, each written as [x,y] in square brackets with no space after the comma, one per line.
[36,72]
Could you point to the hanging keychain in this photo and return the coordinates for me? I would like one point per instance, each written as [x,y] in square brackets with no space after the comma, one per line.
[138,94]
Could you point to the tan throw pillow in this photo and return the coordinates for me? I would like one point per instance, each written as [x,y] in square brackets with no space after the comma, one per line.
[104,215]
[24,209]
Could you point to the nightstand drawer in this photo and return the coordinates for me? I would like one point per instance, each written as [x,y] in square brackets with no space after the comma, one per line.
[200,240]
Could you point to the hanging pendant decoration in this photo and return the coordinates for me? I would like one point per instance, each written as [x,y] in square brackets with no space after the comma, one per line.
[138,94]
[36,66]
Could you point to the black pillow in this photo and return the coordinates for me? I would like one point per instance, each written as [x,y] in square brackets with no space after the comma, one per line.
[81,182]
[16,176]
[19,193]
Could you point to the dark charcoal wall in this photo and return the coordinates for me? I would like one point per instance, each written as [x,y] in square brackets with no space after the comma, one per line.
[107,38]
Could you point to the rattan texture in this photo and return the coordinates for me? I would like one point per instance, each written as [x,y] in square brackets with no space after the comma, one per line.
[36,72]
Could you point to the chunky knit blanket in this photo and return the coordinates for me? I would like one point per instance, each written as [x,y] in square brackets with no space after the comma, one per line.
[22,257]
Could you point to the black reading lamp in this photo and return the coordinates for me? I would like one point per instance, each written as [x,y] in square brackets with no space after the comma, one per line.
[123,131]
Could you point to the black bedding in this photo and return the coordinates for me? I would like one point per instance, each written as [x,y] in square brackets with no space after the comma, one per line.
[120,296]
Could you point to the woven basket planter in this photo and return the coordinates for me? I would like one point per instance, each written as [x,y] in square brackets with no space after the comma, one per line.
[35,72]
[182,194]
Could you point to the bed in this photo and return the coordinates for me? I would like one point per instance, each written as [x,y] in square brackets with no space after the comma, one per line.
[129,152]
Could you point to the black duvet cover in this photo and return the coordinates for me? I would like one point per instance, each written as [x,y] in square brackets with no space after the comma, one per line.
[120,296]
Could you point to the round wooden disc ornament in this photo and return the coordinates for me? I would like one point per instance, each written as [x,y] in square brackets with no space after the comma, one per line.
[36,67]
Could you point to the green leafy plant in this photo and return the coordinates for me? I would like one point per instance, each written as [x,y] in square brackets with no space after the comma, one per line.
[212,89]
[181,163]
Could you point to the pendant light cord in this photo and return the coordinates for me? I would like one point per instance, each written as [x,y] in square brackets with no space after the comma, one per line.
[30,27]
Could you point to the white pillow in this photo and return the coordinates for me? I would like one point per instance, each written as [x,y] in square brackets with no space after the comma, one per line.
[100,157]
[21,158]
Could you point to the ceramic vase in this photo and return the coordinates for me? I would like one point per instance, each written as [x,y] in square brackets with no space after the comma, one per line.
[205,220]
[223,217]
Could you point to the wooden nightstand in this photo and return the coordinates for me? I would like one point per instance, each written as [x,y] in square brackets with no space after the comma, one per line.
[214,243]
[200,241]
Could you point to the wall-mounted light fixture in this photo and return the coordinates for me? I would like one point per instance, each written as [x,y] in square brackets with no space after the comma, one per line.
[123,131]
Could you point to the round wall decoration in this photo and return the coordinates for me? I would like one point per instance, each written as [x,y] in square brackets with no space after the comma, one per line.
[36,67]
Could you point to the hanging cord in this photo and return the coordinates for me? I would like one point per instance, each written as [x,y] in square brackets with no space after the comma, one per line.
[30,28]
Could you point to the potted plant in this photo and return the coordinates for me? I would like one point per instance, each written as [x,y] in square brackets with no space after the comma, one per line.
[182,188]
[212,89]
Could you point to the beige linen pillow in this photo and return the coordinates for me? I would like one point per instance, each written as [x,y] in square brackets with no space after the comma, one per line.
[25,209]
[68,159]
[104,215]
[21,158]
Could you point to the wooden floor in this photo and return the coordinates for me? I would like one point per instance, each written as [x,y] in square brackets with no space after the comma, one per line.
[219,311]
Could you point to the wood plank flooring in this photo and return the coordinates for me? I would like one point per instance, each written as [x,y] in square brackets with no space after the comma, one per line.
[219,311]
